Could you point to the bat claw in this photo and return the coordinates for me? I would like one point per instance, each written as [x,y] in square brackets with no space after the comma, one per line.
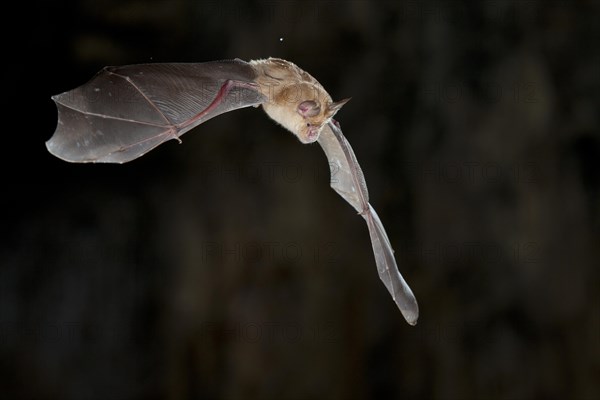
[173,134]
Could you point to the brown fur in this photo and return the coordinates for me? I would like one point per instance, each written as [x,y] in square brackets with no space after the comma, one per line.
[286,87]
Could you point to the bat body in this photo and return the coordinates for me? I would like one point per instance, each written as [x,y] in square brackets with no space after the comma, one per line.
[124,112]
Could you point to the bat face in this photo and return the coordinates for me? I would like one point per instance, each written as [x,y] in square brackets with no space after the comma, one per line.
[315,118]
[306,129]
[301,108]
[307,116]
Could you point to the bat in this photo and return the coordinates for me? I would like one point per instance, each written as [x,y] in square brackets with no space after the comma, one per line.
[124,112]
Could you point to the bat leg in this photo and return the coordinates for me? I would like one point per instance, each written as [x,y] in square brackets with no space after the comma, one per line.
[227,86]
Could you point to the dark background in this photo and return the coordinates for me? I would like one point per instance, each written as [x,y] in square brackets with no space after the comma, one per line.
[225,267]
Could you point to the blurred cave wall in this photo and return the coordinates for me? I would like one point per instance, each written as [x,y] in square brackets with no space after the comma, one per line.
[227,268]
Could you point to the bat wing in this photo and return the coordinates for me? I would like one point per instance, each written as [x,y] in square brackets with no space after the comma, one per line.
[124,112]
[348,181]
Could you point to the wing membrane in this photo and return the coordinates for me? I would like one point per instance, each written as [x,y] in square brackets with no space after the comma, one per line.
[348,181]
[124,112]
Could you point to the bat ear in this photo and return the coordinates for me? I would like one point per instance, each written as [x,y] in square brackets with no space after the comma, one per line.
[335,106]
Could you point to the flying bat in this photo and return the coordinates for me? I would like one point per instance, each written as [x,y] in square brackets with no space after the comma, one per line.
[124,112]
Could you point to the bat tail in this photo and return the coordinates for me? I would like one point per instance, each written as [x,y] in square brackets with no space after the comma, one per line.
[388,269]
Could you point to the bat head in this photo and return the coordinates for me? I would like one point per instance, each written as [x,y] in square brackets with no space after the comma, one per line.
[302,108]
[314,117]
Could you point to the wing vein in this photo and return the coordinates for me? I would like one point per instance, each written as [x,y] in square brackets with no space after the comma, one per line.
[114,117]
[150,102]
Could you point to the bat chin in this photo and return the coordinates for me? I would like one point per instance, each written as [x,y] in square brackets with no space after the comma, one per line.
[310,138]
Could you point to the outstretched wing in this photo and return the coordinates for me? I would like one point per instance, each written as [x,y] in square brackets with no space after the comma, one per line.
[124,112]
[348,181]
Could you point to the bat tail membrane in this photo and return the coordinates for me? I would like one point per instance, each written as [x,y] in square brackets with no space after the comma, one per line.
[388,270]
[124,112]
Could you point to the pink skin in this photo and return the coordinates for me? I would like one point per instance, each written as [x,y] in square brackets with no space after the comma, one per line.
[222,94]
[312,134]
[307,109]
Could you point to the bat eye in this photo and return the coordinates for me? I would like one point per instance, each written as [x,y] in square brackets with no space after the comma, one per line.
[308,124]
